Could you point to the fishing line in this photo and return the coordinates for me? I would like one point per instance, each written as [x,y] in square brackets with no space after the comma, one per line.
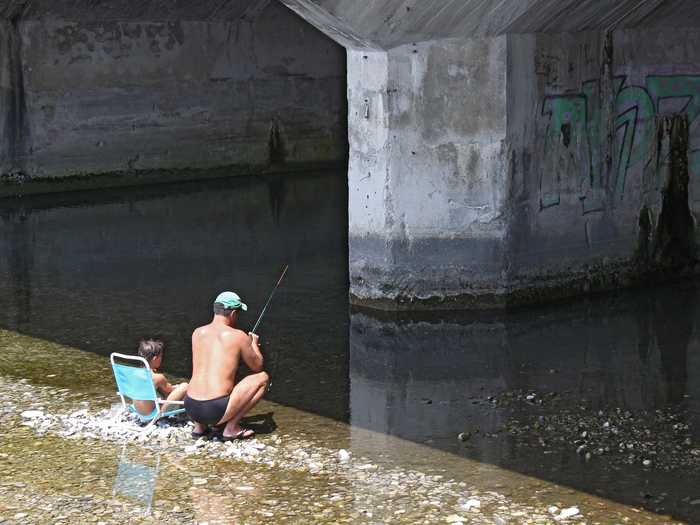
[257,323]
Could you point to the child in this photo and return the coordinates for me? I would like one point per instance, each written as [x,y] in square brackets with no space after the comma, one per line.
[152,352]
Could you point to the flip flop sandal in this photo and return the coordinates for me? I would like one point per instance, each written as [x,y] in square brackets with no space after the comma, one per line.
[239,435]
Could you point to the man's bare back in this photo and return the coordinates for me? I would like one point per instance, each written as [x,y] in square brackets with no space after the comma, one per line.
[213,397]
[216,351]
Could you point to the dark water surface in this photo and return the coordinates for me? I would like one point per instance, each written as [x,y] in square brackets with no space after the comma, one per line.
[101,270]
[617,375]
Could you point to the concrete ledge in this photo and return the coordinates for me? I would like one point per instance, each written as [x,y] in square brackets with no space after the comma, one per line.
[538,290]
[424,273]
[18,185]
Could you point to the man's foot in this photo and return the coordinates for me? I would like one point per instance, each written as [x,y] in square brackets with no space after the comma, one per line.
[243,433]
[199,431]
[218,429]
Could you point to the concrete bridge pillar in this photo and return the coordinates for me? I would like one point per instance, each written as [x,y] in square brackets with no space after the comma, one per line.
[427,125]
[427,173]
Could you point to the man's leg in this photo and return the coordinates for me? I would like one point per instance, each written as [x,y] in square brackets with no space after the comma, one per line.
[199,429]
[245,395]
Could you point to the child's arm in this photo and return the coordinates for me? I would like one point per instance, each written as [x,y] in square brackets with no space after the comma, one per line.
[162,385]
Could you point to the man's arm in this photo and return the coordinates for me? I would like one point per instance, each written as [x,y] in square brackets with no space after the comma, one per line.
[250,350]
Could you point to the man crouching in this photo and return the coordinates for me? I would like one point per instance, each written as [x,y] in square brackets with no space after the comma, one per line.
[213,397]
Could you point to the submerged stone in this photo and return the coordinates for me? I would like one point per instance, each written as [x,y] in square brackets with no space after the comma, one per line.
[32,414]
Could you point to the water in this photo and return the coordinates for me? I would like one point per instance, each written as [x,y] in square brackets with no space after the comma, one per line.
[527,386]
[101,270]
[97,271]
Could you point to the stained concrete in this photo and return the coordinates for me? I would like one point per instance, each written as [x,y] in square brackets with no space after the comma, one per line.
[425,190]
[392,23]
[134,87]
[503,153]
[592,159]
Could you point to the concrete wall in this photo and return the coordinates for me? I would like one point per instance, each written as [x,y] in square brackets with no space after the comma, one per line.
[97,94]
[426,175]
[604,156]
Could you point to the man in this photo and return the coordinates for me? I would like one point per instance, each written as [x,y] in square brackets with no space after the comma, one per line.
[213,397]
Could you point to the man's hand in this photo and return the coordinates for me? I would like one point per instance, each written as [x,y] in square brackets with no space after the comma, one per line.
[253,356]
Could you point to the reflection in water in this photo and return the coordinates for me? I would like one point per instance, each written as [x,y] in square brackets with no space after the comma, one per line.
[20,263]
[498,379]
[135,480]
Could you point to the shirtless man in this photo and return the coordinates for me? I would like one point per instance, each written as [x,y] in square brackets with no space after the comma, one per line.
[213,397]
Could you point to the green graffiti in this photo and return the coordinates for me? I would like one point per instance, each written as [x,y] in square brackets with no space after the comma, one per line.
[662,88]
[567,122]
[665,89]
[576,122]
[634,128]
[591,91]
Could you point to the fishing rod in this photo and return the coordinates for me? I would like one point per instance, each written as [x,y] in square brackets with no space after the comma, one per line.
[274,365]
[270,298]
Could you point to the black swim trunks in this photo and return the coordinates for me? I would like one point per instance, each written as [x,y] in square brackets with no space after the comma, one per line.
[207,412]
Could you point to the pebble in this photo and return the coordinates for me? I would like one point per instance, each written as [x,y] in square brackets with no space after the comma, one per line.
[472,504]
[455,518]
[567,513]
[343,455]
[32,414]
[624,438]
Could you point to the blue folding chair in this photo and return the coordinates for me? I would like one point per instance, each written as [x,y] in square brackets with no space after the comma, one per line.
[135,381]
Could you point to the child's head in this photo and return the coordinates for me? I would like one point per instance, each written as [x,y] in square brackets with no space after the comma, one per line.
[152,351]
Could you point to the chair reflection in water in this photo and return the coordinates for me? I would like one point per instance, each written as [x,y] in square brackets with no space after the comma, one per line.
[136,481]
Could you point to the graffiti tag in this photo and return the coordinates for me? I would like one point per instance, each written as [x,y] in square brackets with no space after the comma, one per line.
[575,134]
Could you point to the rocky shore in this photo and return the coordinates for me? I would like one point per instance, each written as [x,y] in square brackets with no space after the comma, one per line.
[352,489]
[390,495]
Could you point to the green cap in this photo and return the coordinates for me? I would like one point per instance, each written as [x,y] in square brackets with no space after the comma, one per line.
[231,301]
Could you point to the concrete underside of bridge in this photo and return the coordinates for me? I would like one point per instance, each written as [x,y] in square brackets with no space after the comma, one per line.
[510,152]
[500,153]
